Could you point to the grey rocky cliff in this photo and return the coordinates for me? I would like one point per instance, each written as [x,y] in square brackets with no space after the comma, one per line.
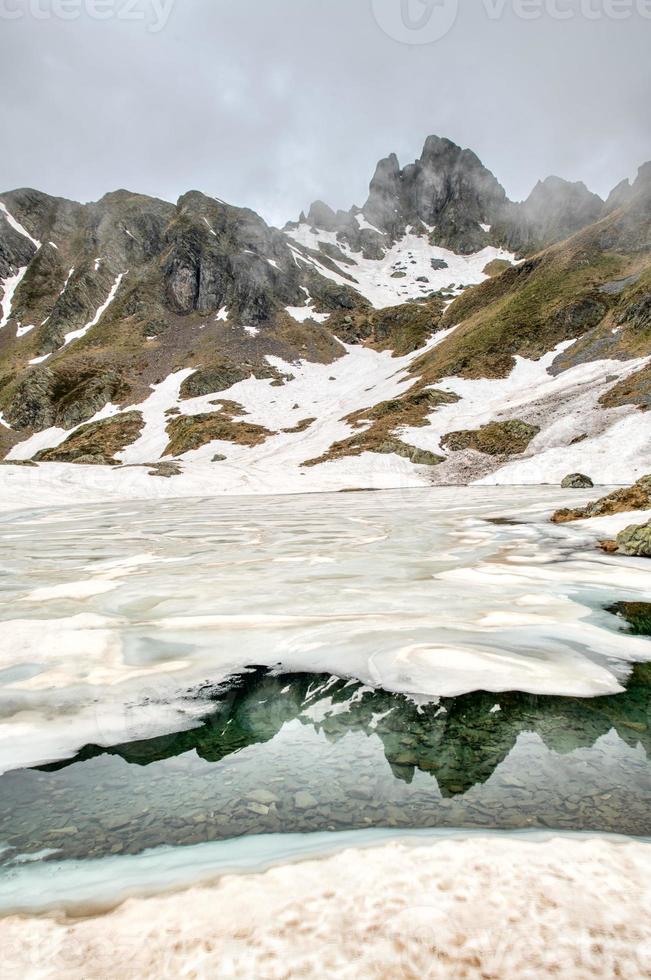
[447,189]
[218,255]
[618,197]
[449,194]
[16,251]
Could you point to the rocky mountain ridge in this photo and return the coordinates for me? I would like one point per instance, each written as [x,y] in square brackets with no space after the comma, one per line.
[450,195]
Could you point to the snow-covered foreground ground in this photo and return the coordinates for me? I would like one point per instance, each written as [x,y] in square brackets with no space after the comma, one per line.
[113,616]
[483,906]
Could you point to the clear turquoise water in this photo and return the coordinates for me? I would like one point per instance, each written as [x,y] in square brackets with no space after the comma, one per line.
[301,754]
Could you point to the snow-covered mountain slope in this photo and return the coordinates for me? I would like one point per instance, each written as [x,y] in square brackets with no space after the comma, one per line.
[336,354]
[310,412]
[411,268]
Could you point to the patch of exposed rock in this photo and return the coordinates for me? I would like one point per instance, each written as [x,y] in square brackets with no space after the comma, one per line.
[96,443]
[635,541]
[637,497]
[189,432]
[494,439]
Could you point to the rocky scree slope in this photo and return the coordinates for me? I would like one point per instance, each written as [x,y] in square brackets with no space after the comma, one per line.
[440,329]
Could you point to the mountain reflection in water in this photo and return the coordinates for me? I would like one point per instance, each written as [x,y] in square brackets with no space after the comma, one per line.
[302,752]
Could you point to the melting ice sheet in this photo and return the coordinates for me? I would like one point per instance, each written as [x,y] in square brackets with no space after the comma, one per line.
[115,620]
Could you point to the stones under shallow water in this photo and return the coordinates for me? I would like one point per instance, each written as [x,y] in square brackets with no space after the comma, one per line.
[305,801]
[301,753]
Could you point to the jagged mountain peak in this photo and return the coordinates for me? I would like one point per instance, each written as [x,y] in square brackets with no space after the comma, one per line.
[643,180]
[448,190]
[446,193]
[451,196]
[626,190]
[619,195]
[555,209]
[440,152]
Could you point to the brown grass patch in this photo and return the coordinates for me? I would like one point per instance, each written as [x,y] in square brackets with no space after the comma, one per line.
[188,432]
[301,427]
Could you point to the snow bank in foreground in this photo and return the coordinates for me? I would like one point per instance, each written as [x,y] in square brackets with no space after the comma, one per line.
[477,907]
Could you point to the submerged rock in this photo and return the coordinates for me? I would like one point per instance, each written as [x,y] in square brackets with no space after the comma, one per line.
[577,481]
[636,614]
[304,800]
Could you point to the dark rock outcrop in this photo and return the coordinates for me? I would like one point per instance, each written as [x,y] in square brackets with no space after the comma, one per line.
[449,194]
[577,481]
[447,188]
[494,439]
[96,443]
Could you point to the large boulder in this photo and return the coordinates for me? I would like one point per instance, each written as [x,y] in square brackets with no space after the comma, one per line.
[577,481]
[635,541]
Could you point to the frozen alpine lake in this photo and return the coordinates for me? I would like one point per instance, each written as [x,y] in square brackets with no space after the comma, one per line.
[117,621]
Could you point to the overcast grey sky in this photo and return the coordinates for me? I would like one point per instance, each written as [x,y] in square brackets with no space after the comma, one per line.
[272,103]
